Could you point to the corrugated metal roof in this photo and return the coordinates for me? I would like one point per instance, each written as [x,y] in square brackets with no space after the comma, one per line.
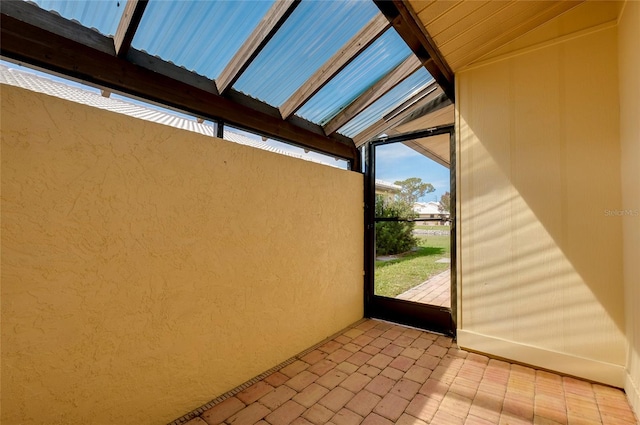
[403,91]
[30,81]
[314,32]
[201,36]
[102,15]
[375,62]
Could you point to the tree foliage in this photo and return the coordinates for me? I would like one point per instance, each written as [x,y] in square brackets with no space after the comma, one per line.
[394,237]
[413,189]
[445,203]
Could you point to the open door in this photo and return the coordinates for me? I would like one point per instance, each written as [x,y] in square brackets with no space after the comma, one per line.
[424,295]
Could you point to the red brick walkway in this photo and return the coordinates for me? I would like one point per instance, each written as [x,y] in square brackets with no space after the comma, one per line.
[435,291]
[378,373]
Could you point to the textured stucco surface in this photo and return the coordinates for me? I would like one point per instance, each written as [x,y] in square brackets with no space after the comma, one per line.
[146,270]
[540,258]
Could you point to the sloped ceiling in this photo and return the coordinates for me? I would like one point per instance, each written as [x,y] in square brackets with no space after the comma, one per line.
[466,30]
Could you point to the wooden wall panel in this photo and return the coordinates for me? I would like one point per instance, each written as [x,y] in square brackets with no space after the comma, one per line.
[466,30]
[629,70]
[540,265]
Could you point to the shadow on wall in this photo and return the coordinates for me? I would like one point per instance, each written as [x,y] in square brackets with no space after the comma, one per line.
[541,255]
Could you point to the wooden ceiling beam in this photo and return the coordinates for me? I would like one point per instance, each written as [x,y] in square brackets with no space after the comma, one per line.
[416,135]
[433,105]
[168,69]
[266,29]
[131,16]
[391,120]
[375,92]
[70,54]
[257,105]
[407,106]
[335,64]
[411,101]
[408,26]
[55,24]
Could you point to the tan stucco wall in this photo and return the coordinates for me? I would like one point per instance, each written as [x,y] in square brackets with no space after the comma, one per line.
[629,66]
[146,270]
[540,261]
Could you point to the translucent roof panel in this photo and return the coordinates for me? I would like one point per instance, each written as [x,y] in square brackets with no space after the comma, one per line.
[201,36]
[375,62]
[314,32]
[102,15]
[400,93]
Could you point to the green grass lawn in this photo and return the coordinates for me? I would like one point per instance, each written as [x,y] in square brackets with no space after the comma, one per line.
[411,269]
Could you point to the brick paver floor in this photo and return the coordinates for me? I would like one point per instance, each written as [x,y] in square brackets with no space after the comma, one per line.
[381,373]
[435,291]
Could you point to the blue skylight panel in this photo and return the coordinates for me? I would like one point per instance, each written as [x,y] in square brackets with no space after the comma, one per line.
[312,34]
[202,36]
[369,67]
[103,15]
[402,92]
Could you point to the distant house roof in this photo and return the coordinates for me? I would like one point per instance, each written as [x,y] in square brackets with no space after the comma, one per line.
[387,186]
[427,208]
[37,83]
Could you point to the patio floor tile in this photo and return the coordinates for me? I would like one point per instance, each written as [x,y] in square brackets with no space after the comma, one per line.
[374,419]
[301,380]
[377,373]
[249,415]
[311,395]
[278,397]
[331,379]
[254,392]
[380,385]
[355,382]
[318,414]
[346,417]
[336,399]
[285,414]
[363,402]
[391,407]
[405,388]
[223,410]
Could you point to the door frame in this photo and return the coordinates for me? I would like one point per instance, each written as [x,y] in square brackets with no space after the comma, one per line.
[424,316]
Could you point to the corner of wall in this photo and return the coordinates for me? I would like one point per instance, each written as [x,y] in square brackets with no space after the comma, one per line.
[629,93]
[594,370]
[633,395]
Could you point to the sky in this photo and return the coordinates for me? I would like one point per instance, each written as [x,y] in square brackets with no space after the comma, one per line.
[397,161]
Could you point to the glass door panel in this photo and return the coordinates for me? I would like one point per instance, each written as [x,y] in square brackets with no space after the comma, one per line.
[410,228]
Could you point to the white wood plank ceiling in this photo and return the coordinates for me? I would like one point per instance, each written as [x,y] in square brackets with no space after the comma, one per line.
[466,30]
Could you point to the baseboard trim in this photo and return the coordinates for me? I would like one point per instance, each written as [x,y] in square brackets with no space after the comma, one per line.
[633,395]
[593,370]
